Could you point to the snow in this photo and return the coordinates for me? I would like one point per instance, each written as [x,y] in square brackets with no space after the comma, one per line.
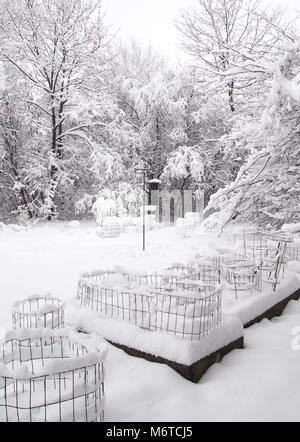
[259,383]
[291,228]
[155,343]
[244,386]
[47,308]
[102,208]
[250,306]
[48,258]
[155,181]
[33,333]
[74,224]
[95,346]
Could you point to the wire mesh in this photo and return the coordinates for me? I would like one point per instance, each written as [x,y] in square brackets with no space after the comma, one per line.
[181,270]
[142,305]
[38,312]
[110,231]
[209,274]
[272,260]
[240,275]
[112,278]
[47,379]
[117,304]
[293,253]
[267,246]
[190,314]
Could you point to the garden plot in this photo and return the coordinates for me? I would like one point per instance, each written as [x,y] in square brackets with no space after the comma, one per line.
[176,301]
[158,344]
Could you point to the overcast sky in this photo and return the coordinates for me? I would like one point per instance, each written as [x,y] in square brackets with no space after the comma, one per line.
[153,20]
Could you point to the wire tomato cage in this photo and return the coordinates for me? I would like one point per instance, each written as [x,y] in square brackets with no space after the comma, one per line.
[240,275]
[192,311]
[50,376]
[293,253]
[38,311]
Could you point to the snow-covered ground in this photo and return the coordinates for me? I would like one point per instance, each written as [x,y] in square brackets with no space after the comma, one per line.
[50,258]
[258,383]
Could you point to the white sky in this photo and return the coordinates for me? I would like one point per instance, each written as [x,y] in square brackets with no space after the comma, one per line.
[153,20]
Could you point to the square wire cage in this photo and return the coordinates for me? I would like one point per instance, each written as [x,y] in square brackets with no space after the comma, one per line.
[48,377]
[135,305]
[111,277]
[38,312]
[121,305]
[196,306]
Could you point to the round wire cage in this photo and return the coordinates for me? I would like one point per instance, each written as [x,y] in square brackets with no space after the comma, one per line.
[272,261]
[50,376]
[293,253]
[110,230]
[240,275]
[181,270]
[191,312]
[38,312]
[252,240]
[209,274]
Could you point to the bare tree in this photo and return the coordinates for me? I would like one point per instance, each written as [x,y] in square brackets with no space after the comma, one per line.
[134,61]
[232,40]
[56,47]
[11,148]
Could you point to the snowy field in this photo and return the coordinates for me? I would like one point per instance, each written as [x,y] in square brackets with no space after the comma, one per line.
[260,382]
[51,257]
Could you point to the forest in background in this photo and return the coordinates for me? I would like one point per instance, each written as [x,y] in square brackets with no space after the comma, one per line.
[80,111]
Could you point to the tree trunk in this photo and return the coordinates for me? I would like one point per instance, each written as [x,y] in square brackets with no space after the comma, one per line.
[53,170]
[231,96]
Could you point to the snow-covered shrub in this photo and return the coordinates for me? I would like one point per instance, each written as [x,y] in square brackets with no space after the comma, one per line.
[122,200]
[102,208]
